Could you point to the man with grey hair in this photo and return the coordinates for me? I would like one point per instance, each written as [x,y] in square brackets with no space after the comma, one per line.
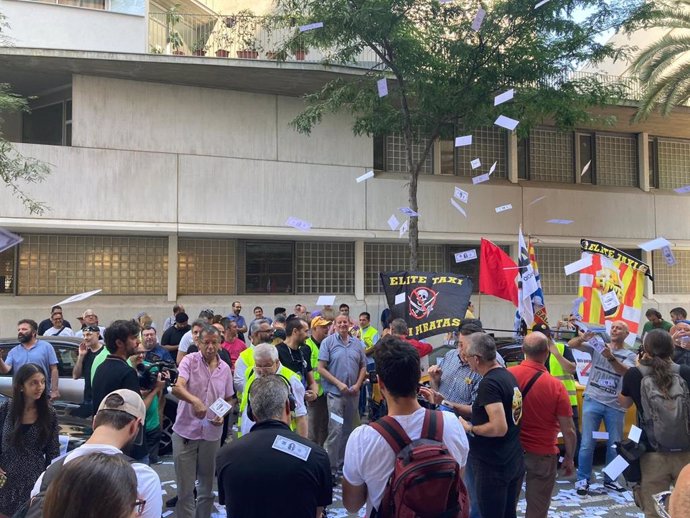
[545,412]
[273,471]
[203,380]
[266,363]
[494,432]
[260,332]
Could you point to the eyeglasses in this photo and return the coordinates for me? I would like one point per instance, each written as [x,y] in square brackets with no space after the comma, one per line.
[139,506]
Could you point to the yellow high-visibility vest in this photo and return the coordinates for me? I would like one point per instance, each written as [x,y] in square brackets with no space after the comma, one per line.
[556,370]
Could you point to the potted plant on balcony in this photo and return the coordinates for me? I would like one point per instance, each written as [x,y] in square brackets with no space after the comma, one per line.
[175,41]
[223,42]
[199,47]
[298,48]
[246,27]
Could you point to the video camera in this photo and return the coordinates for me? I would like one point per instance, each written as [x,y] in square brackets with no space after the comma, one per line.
[148,373]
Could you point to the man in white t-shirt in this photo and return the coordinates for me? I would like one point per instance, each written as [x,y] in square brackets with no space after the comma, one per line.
[189,338]
[118,424]
[369,460]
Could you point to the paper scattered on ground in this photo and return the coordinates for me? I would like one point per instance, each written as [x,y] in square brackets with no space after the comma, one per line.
[616,467]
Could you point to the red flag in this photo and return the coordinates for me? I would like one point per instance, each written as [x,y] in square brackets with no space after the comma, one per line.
[494,278]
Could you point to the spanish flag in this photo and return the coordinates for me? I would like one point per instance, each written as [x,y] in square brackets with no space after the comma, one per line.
[612,288]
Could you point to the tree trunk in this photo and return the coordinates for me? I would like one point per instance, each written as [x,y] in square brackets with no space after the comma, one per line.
[413,170]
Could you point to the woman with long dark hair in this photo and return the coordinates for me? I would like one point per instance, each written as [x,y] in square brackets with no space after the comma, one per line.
[28,437]
[97,485]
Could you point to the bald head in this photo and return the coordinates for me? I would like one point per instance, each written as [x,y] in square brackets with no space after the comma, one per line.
[619,332]
[536,346]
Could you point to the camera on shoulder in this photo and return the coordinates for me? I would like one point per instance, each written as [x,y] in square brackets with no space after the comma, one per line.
[148,373]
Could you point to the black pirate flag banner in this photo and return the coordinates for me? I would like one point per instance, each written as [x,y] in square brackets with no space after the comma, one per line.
[430,303]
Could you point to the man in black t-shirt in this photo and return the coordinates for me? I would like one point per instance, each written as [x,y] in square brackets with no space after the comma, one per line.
[294,354]
[659,469]
[89,348]
[173,335]
[295,471]
[494,434]
[122,341]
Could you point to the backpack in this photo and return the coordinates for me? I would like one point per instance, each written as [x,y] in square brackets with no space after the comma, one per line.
[33,508]
[665,421]
[426,481]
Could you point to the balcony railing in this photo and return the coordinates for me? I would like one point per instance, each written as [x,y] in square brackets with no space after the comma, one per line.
[233,36]
[255,37]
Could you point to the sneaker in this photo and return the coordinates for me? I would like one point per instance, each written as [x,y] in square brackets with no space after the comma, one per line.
[582,487]
[614,486]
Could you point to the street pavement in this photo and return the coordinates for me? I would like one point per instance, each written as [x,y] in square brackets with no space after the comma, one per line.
[565,502]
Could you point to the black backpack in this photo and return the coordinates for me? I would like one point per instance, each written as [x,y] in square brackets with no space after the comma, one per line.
[33,508]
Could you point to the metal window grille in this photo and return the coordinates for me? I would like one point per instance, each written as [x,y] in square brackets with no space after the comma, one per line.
[671,279]
[616,157]
[7,271]
[550,156]
[64,265]
[396,157]
[324,267]
[384,257]
[674,163]
[550,261]
[206,266]
[489,145]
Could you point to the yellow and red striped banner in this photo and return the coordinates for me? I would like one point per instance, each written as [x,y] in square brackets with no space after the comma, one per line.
[612,271]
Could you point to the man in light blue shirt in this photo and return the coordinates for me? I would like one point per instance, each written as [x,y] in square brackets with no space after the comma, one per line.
[32,350]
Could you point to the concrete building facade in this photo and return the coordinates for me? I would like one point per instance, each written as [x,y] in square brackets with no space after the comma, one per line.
[173,178]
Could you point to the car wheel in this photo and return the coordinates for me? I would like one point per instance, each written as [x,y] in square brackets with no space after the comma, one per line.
[169,415]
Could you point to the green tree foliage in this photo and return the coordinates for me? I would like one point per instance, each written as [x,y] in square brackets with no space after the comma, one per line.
[664,66]
[16,169]
[443,75]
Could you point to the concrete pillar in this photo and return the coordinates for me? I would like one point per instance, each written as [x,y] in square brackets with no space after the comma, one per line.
[643,161]
[172,268]
[512,157]
[359,270]
[648,284]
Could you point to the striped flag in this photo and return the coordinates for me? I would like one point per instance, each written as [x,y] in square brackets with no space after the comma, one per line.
[612,287]
[538,302]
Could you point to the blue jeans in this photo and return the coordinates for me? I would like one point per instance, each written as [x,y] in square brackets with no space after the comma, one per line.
[593,413]
[469,483]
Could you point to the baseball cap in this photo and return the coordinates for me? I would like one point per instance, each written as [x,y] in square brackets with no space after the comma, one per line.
[181,318]
[319,321]
[542,328]
[92,329]
[130,402]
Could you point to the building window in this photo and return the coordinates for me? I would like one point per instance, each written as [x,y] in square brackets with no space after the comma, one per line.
[7,261]
[380,153]
[468,268]
[551,156]
[671,279]
[91,4]
[447,157]
[617,160]
[653,166]
[384,257]
[268,267]
[489,145]
[523,158]
[584,158]
[396,156]
[674,163]
[550,261]
[324,267]
[64,265]
[206,266]
[48,125]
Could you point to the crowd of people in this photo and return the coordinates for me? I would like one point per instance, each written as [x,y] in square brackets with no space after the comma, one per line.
[276,405]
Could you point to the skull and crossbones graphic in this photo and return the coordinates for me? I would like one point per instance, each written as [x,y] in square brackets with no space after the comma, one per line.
[422,301]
